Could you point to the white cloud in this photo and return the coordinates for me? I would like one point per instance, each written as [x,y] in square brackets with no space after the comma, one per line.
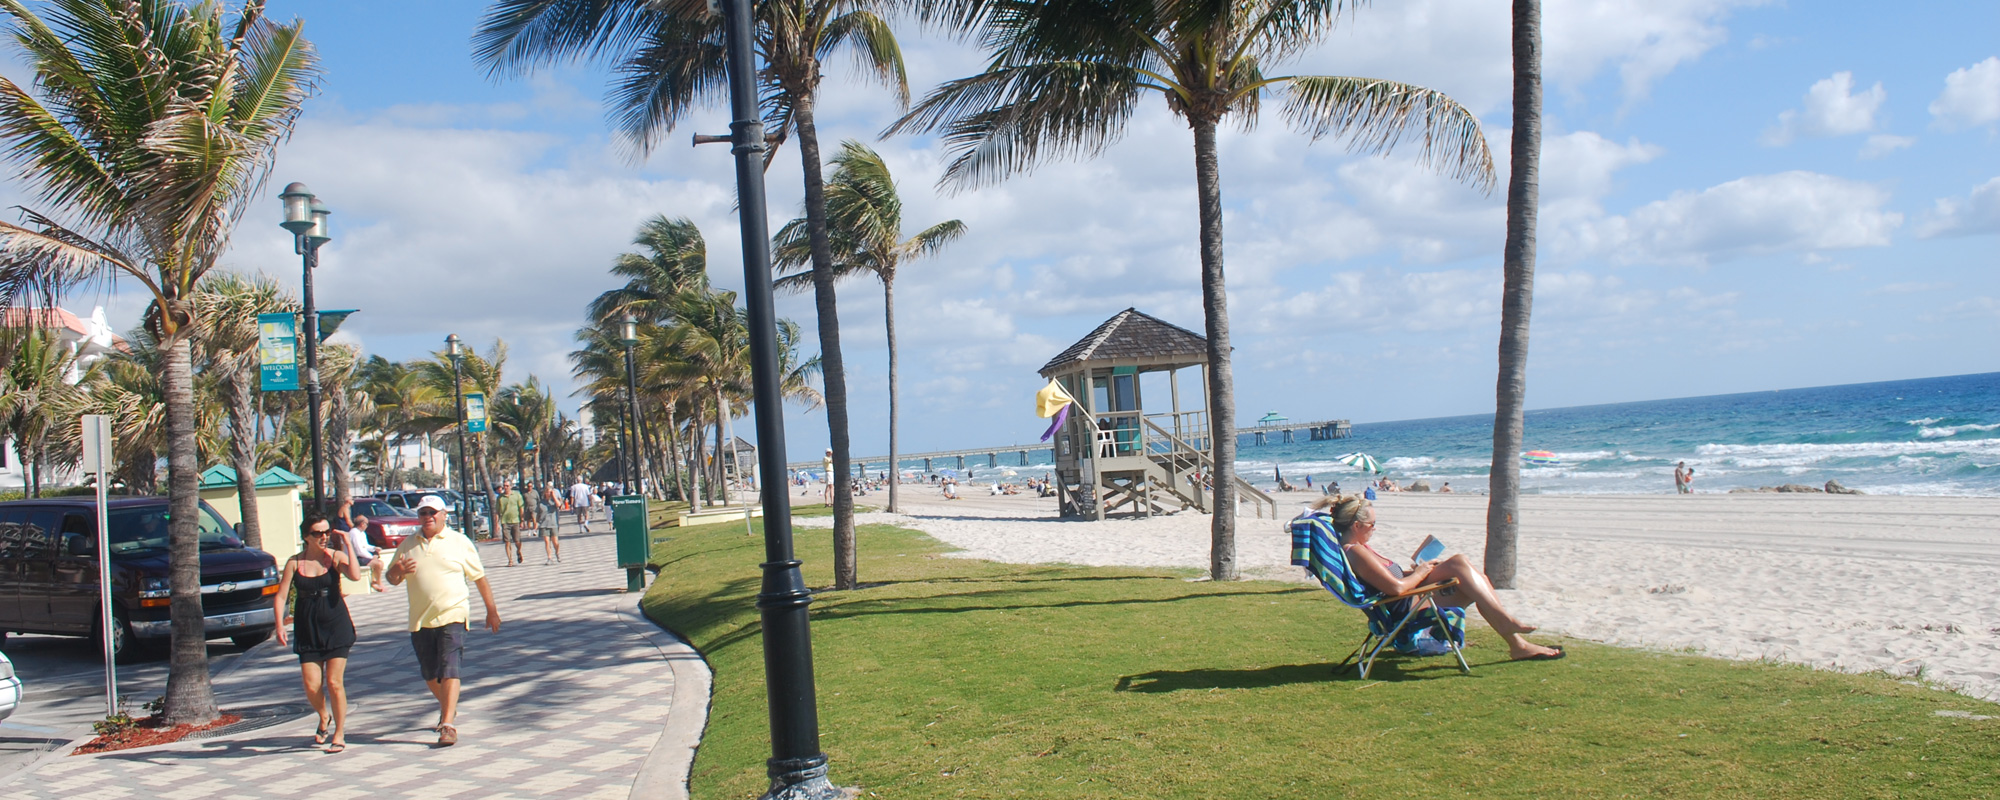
[1882,144]
[1908,287]
[1976,213]
[1831,109]
[1789,211]
[1971,96]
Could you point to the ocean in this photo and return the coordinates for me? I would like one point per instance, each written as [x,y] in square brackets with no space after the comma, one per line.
[1931,436]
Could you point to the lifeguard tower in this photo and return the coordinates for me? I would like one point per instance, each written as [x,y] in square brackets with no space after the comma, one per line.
[1112,455]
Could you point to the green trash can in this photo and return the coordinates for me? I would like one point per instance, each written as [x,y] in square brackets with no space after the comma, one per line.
[628,521]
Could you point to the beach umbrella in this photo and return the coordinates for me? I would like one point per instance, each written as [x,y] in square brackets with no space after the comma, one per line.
[1543,457]
[1363,461]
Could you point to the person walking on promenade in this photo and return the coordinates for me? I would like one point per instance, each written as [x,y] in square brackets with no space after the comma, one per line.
[579,500]
[437,564]
[550,523]
[508,504]
[322,632]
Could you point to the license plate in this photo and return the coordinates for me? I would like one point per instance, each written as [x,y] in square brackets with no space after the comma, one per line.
[232,620]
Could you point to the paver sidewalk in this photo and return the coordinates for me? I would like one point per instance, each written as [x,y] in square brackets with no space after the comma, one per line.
[569,699]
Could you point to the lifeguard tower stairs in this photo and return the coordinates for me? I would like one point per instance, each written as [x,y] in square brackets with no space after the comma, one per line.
[1112,456]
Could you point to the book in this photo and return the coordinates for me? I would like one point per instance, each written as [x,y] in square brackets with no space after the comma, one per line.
[1430,549]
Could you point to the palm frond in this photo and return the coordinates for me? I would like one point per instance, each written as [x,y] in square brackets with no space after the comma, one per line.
[1007,120]
[874,46]
[1376,115]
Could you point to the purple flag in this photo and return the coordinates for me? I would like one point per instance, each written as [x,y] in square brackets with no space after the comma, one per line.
[1062,414]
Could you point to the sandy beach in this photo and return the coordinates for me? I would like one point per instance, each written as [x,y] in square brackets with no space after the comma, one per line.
[1903,585]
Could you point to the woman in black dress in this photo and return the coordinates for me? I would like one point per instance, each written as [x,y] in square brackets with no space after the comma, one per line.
[322,631]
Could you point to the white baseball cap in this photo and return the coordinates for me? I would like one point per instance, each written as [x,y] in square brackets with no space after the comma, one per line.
[432,501]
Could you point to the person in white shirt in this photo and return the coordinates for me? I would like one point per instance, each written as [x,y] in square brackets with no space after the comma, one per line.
[579,500]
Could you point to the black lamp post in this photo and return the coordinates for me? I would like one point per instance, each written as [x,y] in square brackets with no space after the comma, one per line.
[305,217]
[797,767]
[628,333]
[457,350]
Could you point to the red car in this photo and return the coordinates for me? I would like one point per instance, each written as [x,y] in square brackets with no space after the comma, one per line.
[388,525]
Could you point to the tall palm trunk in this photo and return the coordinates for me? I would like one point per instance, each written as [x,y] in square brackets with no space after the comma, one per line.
[242,406]
[1221,392]
[889,322]
[832,371]
[339,448]
[696,469]
[674,451]
[1503,509]
[190,698]
[485,478]
[721,426]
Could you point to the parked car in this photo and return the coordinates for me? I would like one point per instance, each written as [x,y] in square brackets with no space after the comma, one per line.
[388,525]
[10,688]
[407,499]
[48,573]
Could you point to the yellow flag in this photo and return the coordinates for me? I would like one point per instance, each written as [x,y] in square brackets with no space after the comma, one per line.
[1051,399]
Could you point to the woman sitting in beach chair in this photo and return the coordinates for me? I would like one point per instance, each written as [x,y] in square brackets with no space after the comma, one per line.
[1354,521]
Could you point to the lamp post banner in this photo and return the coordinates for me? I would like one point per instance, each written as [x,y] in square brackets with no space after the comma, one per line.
[278,352]
[475,412]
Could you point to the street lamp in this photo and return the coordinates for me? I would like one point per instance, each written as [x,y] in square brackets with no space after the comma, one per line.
[457,350]
[305,217]
[628,332]
[797,767]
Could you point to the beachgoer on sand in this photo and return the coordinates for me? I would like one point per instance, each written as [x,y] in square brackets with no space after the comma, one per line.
[1354,520]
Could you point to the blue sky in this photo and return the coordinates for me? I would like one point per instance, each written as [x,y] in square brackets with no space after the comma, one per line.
[1736,196]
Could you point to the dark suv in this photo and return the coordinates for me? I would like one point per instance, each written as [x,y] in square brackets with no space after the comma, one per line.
[48,572]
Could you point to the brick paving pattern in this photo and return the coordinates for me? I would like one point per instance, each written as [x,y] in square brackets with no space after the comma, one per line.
[566,701]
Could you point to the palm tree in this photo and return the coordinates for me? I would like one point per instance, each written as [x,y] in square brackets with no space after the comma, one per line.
[398,397]
[677,259]
[227,345]
[338,364]
[1067,75]
[34,389]
[866,218]
[1503,507]
[151,126]
[669,56]
[479,374]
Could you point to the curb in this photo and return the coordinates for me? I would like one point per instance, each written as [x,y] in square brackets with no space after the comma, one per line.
[665,773]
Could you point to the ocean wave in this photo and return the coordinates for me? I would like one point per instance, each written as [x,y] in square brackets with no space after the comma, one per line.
[1954,430]
[1924,421]
[1785,455]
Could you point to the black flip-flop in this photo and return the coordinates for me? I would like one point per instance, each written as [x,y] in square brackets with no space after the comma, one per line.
[1555,656]
[319,736]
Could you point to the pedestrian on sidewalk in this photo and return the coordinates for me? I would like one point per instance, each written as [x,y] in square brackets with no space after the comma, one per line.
[579,499]
[551,524]
[437,564]
[322,632]
[508,504]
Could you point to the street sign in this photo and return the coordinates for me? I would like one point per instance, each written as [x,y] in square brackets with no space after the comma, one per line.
[97,443]
[97,458]
[475,412]
[278,352]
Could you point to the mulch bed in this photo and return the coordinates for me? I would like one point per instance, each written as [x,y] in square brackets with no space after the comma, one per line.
[150,731]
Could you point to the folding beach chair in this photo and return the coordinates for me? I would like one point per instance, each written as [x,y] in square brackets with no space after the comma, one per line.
[1406,621]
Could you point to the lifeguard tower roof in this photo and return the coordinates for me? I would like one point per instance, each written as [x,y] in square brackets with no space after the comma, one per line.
[1133,337]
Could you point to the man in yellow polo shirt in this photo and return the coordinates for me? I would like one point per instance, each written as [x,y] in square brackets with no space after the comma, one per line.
[437,565]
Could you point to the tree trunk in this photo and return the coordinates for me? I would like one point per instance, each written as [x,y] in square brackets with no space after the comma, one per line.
[832,371]
[889,322]
[674,452]
[339,444]
[242,406]
[486,480]
[1503,509]
[696,469]
[1221,392]
[190,698]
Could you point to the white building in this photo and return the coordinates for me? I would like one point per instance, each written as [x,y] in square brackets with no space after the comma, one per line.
[88,340]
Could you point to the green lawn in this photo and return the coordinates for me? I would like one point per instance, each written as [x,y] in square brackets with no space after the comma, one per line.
[948,677]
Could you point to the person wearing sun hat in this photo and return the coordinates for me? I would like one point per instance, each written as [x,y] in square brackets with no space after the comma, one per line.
[437,564]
